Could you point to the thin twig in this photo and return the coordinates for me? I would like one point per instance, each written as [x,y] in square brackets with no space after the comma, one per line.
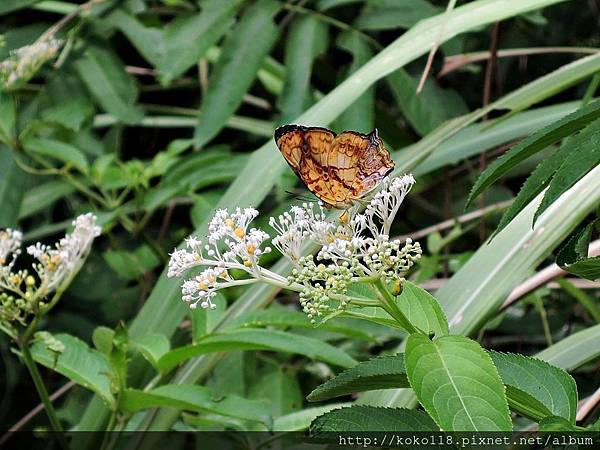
[588,405]
[434,48]
[543,277]
[457,220]
[455,62]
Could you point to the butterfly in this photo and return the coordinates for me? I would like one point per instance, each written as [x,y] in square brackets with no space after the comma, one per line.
[339,169]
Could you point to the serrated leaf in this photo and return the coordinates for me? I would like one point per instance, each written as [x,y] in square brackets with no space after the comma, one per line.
[58,150]
[85,366]
[242,55]
[535,388]
[583,155]
[371,418]
[112,87]
[533,144]
[258,340]
[573,256]
[422,309]
[457,383]
[384,372]
[307,39]
[195,398]
[551,424]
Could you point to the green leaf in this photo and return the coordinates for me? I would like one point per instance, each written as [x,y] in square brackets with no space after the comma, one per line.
[7,118]
[59,150]
[12,188]
[384,372]
[195,398]
[573,256]
[42,196]
[85,366]
[12,5]
[536,389]
[188,38]
[307,39]
[427,109]
[243,53]
[583,155]
[422,309]
[550,424]
[71,114]
[279,388]
[152,347]
[392,14]
[301,420]
[359,116]
[370,418]
[112,87]
[103,339]
[457,383]
[258,340]
[533,144]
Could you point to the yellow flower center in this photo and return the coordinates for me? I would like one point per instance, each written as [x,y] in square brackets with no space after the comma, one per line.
[229,222]
[239,232]
[250,249]
[30,281]
[248,263]
[202,286]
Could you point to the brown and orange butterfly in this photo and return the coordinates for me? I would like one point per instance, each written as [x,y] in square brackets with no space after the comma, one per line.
[338,169]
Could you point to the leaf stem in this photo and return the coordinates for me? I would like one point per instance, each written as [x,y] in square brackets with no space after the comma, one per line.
[389,304]
[43,393]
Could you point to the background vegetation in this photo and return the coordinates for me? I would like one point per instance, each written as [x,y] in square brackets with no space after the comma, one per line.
[152,114]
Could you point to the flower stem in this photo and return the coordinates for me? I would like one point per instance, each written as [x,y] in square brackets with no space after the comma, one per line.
[389,304]
[43,393]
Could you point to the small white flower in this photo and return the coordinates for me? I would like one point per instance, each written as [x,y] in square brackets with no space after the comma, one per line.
[10,244]
[23,63]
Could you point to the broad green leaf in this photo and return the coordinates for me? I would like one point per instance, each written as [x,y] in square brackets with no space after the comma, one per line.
[574,351]
[429,108]
[112,87]
[103,339]
[188,38]
[392,14]
[573,256]
[360,116]
[258,340]
[12,188]
[242,55]
[43,196]
[71,114]
[533,144]
[58,150]
[7,118]
[197,399]
[280,317]
[422,309]
[152,347]
[583,155]
[301,420]
[371,418]
[85,366]
[384,372]
[536,389]
[456,382]
[279,388]
[307,39]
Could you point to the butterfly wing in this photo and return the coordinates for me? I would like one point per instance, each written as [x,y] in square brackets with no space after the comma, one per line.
[306,150]
[337,169]
[359,162]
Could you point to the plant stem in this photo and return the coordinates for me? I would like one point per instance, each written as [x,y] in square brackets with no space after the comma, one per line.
[389,304]
[43,393]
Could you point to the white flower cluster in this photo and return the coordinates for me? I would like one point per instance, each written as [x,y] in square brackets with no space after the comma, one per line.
[230,245]
[55,265]
[23,63]
[355,246]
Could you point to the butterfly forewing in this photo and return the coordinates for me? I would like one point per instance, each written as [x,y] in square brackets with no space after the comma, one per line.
[338,169]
